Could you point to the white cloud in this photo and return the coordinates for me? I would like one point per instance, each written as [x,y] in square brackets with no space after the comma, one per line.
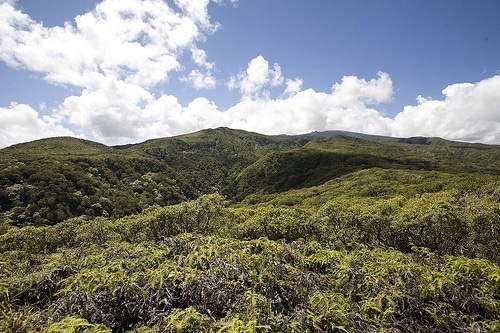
[117,53]
[234,3]
[293,86]
[111,110]
[308,110]
[137,41]
[468,112]
[196,10]
[119,113]
[11,2]
[257,77]
[353,90]
[116,111]
[200,58]
[20,122]
[168,117]
[199,80]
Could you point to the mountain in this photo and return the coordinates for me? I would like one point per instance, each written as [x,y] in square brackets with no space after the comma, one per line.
[47,181]
[229,231]
[324,158]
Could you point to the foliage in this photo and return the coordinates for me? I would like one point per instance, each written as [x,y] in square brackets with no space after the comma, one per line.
[192,283]
[76,325]
[323,159]
[312,233]
[48,181]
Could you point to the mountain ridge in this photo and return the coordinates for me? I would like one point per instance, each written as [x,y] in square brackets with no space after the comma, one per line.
[49,180]
[421,140]
[230,231]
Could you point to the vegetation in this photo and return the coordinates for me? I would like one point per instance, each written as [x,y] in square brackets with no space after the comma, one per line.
[228,231]
[50,180]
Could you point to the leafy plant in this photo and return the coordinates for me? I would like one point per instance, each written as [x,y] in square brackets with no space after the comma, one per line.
[76,325]
[229,231]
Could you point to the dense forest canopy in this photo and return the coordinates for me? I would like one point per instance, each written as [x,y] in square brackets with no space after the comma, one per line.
[50,180]
[229,231]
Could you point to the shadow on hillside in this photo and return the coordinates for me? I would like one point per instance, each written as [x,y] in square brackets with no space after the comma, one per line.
[284,171]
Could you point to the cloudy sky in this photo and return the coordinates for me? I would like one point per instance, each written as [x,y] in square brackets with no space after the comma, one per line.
[123,71]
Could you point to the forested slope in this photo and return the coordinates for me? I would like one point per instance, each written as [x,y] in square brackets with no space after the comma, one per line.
[50,180]
[229,231]
[47,181]
[324,159]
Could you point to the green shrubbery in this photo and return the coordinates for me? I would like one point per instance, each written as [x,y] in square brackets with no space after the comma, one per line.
[199,266]
[403,238]
[194,283]
[444,222]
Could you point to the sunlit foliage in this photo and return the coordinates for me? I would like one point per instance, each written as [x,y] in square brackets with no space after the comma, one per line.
[303,234]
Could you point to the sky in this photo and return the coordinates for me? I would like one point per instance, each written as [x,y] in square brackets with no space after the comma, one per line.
[124,71]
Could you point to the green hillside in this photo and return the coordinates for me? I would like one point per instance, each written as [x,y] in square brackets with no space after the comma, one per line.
[323,159]
[50,180]
[229,231]
[47,181]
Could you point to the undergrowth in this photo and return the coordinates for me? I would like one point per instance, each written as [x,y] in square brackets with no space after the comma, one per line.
[195,283]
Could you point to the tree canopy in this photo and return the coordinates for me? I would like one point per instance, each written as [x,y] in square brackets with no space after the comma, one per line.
[229,231]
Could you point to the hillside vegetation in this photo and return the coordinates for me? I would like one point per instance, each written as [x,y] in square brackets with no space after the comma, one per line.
[47,181]
[228,231]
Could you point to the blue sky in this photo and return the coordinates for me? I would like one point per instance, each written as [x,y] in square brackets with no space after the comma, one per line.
[122,71]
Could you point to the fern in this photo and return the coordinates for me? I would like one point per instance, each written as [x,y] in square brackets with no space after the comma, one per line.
[237,325]
[76,325]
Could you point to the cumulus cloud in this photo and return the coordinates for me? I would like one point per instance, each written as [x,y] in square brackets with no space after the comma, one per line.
[293,86]
[117,53]
[11,2]
[354,90]
[137,41]
[468,112]
[199,80]
[110,110]
[233,2]
[196,10]
[168,117]
[20,122]
[308,110]
[200,58]
[118,113]
[257,77]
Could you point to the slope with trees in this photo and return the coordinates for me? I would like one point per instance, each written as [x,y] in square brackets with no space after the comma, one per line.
[229,231]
